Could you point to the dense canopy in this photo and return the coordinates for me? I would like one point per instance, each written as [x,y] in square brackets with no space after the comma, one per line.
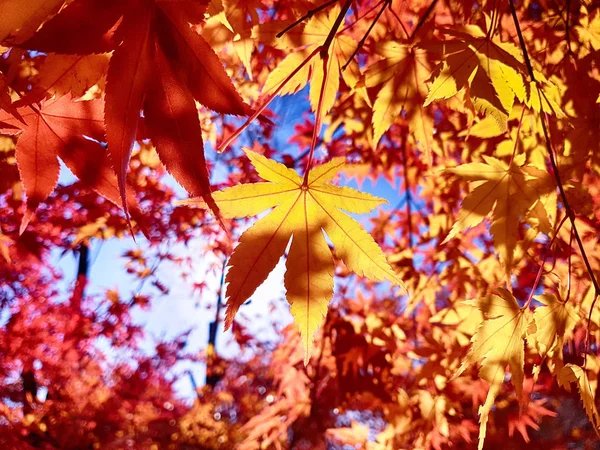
[427,171]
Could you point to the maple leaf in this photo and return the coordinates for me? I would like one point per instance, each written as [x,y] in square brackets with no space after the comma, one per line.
[403,74]
[20,19]
[63,74]
[463,317]
[571,373]
[239,18]
[497,343]
[302,212]
[311,38]
[513,192]
[5,101]
[489,68]
[148,35]
[60,128]
[552,324]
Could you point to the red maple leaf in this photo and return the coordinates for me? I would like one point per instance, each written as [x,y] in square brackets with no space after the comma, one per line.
[63,129]
[159,65]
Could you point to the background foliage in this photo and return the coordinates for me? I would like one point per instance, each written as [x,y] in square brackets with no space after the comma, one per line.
[484,117]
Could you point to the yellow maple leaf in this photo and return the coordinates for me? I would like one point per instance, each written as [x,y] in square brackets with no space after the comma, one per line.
[490,69]
[313,36]
[513,192]
[301,211]
[402,75]
[552,324]
[498,343]
[571,373]
[239,20]
[588,29]
[462,317]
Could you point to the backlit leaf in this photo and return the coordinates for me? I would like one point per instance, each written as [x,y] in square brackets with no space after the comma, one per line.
[497,343]
[302,212]
[402,75]
[571,373]
[512,192]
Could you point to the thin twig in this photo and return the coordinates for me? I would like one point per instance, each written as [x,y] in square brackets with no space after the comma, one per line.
[550,150]
[324,54]
[317,127]
[194,384]
[366,35]
[541,269]
[266,103]
[399,21]
[338,21]
[570,266]
[587,331]
[407,194]
[306,16]
[569,211]
[423,19]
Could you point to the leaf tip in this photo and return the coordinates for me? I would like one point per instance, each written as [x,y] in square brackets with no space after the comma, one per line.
[25,221]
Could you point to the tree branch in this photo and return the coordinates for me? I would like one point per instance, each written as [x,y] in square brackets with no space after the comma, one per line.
[561,189]
[212,378]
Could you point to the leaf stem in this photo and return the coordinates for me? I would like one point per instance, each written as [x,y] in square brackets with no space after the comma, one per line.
[362,16]
[318,118]
[541,269]
[324,54]
[399,21]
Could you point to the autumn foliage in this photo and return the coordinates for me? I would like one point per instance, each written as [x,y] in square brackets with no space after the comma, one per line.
[462,314]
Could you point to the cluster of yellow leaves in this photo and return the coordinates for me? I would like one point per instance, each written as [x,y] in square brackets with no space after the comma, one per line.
[302,211]
[499,341]
[488,68]
[235,22]
[305,42]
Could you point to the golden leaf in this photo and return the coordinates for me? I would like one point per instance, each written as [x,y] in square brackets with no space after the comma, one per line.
[552,324]
[402,75]
[571,373]
[498,343]
[513,192]
[489,68]
[316,31]
[302,212]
